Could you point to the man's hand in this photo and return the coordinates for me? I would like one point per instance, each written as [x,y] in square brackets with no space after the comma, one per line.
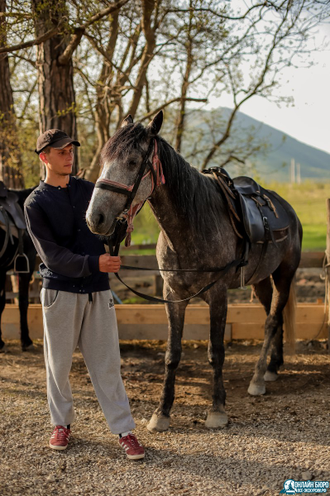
[107,263]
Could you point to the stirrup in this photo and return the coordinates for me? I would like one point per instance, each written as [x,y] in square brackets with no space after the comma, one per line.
[26,260]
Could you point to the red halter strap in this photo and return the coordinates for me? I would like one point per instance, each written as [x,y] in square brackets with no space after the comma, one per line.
[157,179]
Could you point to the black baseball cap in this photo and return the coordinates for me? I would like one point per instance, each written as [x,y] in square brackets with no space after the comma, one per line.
[54,138]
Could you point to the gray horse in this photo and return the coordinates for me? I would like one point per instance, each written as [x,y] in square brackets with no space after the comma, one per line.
[196,233]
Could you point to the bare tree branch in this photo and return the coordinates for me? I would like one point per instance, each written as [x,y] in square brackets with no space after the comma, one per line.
[150,114]
[75,39]
[37,41]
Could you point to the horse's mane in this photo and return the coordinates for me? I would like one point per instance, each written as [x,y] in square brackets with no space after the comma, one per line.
[194,196]
[123,141]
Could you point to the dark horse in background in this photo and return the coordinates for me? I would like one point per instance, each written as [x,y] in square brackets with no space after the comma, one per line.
[16,252]
[197,232]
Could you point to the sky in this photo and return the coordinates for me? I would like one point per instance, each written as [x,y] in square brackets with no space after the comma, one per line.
[309,119]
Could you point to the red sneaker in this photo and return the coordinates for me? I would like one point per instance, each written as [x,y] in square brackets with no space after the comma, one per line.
[60,438]
[134,450]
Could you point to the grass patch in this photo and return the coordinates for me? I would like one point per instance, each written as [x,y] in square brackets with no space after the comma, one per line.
[309,201]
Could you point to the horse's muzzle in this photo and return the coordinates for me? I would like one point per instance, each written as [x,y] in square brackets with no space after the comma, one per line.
[98,224]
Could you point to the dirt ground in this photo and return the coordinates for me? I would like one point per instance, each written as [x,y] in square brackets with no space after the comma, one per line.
[283,434]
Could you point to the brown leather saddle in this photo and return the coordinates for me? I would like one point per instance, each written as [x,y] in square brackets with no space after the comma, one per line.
[255,212]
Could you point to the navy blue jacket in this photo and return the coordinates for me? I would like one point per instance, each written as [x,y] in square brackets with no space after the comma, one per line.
[55,219]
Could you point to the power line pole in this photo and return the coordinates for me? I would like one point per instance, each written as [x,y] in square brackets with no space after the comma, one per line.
[293,176]
[298,174]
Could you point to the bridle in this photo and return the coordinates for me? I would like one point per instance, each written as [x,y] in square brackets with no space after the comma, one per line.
[157,178]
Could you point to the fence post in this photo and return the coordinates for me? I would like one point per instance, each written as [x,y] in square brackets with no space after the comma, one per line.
[327,252]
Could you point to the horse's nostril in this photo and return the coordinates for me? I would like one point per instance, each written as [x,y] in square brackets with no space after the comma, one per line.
[101,219]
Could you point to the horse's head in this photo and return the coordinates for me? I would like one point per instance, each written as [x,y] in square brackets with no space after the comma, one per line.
[128,174]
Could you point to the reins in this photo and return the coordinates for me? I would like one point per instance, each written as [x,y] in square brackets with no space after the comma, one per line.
[114,250]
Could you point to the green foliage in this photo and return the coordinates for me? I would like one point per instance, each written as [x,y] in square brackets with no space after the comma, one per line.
[146,229]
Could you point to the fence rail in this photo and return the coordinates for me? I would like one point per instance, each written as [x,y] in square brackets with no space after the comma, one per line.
[244,321]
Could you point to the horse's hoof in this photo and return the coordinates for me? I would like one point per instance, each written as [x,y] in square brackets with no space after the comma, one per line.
[216,420]
[29,347]
[158,423]
[4,349]
[256,389]
[270,376]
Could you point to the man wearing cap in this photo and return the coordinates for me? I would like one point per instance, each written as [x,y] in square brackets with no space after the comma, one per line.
[77,303]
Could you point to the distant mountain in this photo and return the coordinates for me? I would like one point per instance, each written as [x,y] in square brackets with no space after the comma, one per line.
[275,162]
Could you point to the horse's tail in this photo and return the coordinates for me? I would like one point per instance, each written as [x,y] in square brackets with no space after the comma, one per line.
[289,315]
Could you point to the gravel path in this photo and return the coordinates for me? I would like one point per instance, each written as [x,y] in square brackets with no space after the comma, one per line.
[282,435]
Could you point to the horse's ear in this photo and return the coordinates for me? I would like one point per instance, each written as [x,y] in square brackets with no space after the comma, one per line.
[156,123]
[127,120]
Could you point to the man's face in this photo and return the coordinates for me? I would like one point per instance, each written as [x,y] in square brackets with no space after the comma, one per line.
[59,162]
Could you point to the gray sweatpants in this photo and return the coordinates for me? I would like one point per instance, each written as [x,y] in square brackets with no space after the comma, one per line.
[72,320]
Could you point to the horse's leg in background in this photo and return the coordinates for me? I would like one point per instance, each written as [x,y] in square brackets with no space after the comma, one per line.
[274,323]
[217,301]
[160,420]
[264,292]
[2,304]
[24,281]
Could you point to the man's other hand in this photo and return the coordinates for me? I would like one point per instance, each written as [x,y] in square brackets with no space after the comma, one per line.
[107,263]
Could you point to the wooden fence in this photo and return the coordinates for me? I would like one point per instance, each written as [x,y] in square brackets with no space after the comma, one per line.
[244,321]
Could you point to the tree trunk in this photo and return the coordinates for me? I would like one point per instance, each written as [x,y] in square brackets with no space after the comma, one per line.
[10,157]
[57,103]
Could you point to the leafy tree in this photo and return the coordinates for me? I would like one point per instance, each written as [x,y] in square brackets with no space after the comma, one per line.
[90,64]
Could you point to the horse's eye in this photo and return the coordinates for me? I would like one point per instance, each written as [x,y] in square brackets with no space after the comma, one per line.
[132,163]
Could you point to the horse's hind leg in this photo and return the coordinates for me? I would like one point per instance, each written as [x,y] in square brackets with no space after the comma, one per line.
[217,416]
[264,292]
[160,420]
[276,356]
[274,321]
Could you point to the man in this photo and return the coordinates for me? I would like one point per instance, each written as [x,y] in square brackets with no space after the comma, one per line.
[77,303]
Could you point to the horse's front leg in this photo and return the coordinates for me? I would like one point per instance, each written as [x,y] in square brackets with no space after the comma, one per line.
[217,416]
[24,281]
[160,420]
